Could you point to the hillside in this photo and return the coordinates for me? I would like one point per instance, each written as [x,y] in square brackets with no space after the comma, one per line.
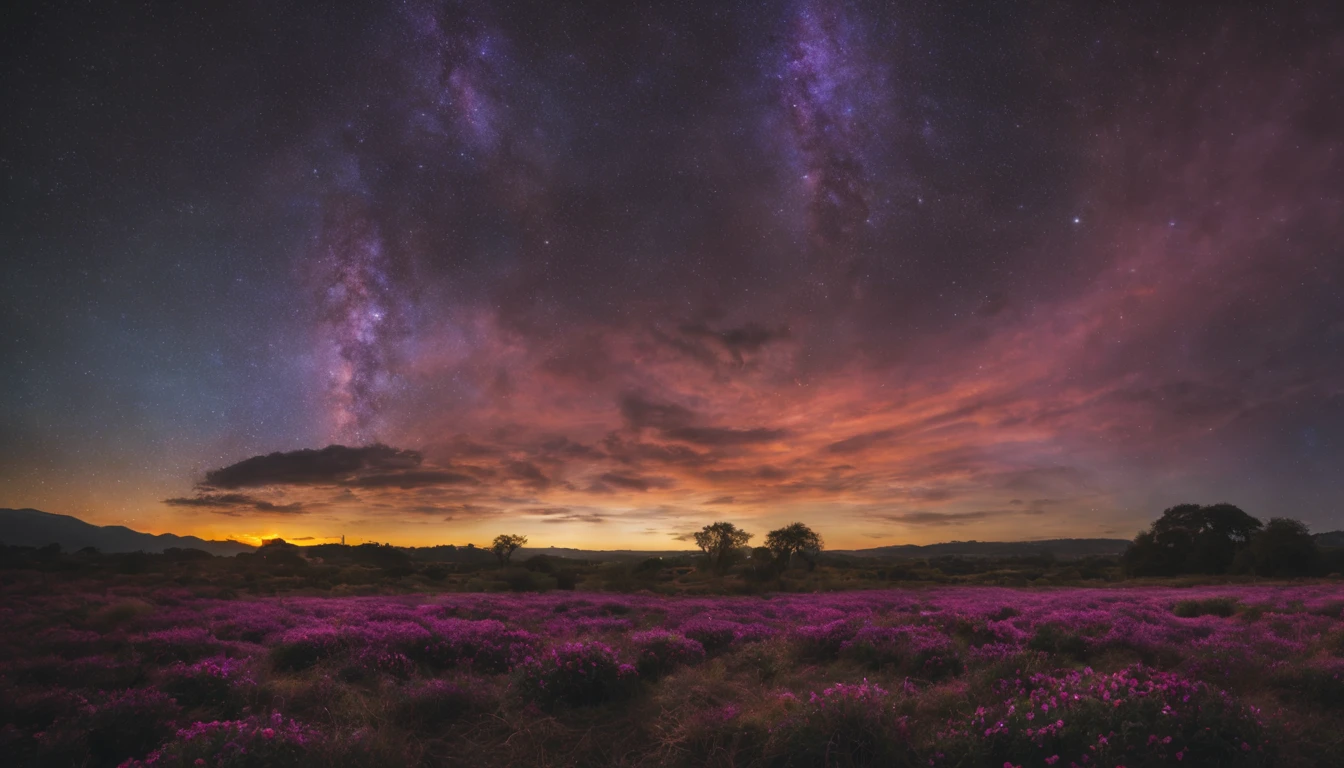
[1330,539]
[1062,548]
[33,528]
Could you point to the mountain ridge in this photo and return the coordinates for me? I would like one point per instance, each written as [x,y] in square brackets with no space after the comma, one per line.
[35,528]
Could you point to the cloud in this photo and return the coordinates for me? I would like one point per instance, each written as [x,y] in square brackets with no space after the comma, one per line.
[640,412]
[674,422]
[924,518]
[566,515]
[723,436]
[763,472]
[547,511]
[749,337]
[330,465]
[477,510]
[638,452]
[232,503]
[562,448]
[861,442]
[635,482]
[414,479]
[584,359]
[588,517]
[735,341]
[530,474]
[720,500]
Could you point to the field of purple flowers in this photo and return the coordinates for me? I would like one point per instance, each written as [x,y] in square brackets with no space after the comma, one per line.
[1227,676]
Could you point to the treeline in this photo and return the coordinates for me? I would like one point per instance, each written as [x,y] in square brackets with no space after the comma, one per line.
[1221,539]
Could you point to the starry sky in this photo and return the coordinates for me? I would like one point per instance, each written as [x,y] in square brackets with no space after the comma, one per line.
[424,272]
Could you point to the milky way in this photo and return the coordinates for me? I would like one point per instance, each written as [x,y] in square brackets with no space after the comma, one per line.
[360,316]
[601,275]
[834,98]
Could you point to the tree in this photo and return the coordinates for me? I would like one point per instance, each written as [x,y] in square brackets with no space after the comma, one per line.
[719,541]
[1284,548]
[504,546]
[1189,538]
[795,539]
[764,564]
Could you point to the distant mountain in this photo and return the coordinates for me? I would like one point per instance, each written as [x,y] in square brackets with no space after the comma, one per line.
[29,527]
[32,528]
[1330,539]
[1061,548]
[600,554]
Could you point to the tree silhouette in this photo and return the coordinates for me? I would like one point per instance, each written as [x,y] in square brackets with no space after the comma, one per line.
[1284,548]
[795,539]
[719,541]
[504,546]
[1189,538]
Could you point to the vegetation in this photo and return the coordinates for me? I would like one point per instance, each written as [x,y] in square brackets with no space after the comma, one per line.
[505,545]
[367,655]
[1222,539]
[794,540]
[720,542]
[1243,676]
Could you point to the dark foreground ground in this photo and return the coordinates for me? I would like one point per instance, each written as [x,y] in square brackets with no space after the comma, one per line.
[955,676]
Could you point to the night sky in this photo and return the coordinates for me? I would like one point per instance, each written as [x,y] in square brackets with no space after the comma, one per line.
[600,275]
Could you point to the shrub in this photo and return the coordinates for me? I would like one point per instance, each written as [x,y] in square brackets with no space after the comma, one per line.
[406,637]
[523,580]
[101,672]
[486,646]
[1132,717]
[37,710]
[207,683]
[821,642]
[380,661]
[660,652]
[299,649]
[919,651]
[253,742]
[73,643]
[251,628]
[575,674]
[435,703]
[1053,639]
[720,735]
[843,725]
[1321,683]
[712,634]
[753,632]
[178,644]
[1213,606]
[128,724]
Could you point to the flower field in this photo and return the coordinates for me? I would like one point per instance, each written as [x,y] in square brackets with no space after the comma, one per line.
[1227,676]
